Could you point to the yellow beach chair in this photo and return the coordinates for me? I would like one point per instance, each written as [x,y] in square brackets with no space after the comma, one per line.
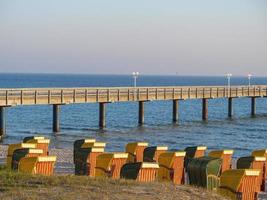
[13,147]
[225,155]
[110,164]
[43,165]
[40,141]
[239,184]
[171,167]
[151,154]
[140,171]
[18,154]
[136,151]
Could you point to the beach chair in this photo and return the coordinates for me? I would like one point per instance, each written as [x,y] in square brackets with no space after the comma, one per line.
[18,154]
[85,160]
[252,162]
[110,164]
[40,141]
[136,151]
[151,154]
[78,145]
[194,152]
[225,155]
[171,167]
[12,148]
[140,171]
[41,165]
[239,184]
[204,172]
[260,153]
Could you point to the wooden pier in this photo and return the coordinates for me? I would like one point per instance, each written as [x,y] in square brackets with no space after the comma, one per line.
[62,96]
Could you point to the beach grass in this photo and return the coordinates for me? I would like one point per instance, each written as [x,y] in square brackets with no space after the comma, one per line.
[18,186]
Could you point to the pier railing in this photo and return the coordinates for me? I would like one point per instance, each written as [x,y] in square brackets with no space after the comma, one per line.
[38,96]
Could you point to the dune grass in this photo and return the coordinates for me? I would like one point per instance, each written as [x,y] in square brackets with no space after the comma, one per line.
[17,186]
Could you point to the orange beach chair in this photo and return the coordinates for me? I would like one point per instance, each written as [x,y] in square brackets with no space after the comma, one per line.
[140,171]
[43,165]
[151,154]
[136,151]
[239,184]
[110,164]
[171,167]
[225,155]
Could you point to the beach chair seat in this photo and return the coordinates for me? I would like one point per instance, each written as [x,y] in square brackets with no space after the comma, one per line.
[78,145]
[18,154]
[239,184]
[40,141]
[151,154]
[140,171]
[12,148]
[110,164]
[204,172]
[136,151]
[42,165]
[225,155]
[171,167]
[252,162]
[85,160]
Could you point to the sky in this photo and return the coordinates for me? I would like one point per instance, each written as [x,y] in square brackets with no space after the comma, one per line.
[192,37]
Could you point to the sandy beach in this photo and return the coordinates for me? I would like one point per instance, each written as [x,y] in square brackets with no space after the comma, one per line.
[64,164]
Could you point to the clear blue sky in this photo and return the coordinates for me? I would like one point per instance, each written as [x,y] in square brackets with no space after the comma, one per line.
[190,37]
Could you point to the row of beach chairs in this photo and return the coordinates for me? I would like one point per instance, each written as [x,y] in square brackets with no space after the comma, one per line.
[146,163]
[31,156]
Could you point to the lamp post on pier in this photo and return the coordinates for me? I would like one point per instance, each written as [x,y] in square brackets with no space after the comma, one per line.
[229,82]
[135,76]
[249,79]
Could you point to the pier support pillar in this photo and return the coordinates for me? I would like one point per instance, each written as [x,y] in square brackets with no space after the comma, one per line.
[102,115]
[204,109]
[175,111]
[56,118]
[2,122]
[141,117]
[230,107]
[253,106]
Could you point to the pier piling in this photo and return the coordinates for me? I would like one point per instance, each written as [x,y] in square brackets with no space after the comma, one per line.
[204,109]
[2,122]
[253,106]
[56,118]
[141,117]
[230,107]
[102,115]
[175,112]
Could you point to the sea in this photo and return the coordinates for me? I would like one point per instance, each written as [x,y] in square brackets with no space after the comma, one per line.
[242,132]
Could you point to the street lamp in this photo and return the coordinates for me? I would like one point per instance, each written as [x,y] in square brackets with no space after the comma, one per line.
[135,76]
[249,79]
[229,82]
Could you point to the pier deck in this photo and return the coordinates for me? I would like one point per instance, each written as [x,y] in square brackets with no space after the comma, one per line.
[62,96]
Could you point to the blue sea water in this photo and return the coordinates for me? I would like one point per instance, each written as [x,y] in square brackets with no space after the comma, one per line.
[242,133]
